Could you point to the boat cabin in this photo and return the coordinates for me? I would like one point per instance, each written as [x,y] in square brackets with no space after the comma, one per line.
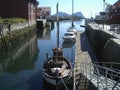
[57,53]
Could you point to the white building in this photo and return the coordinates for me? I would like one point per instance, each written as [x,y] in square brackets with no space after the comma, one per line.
[43,12]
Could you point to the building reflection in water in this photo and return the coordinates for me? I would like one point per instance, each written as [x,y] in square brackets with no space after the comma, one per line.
[19,59]
[45,33]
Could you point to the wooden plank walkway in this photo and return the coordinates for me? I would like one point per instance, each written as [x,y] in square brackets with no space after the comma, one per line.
[82,55]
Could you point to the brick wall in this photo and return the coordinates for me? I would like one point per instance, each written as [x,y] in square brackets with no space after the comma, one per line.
[19,8]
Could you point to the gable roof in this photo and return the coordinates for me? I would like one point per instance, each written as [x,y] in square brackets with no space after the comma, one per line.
[117,3]
[33,1]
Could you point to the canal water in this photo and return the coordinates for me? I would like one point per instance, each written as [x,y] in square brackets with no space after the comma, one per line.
[21,69]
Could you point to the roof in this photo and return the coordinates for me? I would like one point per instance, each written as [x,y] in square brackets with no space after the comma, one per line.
[33,1]
[117,3]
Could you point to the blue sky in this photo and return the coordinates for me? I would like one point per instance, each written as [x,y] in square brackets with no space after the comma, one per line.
[87,7]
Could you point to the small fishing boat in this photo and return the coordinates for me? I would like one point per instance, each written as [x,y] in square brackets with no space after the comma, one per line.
[57,70]
[69,36]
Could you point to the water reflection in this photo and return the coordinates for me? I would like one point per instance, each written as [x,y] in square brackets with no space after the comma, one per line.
[44,34]
[21,68]
[47,86]
[68,44]
[26,55]
[13,67]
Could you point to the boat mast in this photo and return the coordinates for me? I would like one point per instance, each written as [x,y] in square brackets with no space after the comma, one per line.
[72,13]
[57,26]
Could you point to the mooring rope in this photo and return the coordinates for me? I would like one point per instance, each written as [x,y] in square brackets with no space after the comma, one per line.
[64,83]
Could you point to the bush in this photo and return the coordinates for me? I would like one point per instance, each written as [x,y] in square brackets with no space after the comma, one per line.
[1,20]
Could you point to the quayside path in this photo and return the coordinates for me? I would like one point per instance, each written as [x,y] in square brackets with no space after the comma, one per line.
[90,74]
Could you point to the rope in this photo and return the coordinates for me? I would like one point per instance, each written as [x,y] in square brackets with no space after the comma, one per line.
[64,83]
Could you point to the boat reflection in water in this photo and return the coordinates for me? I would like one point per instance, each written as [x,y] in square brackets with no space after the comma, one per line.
[57,69]
[47,86]
[68,44]
[45,33]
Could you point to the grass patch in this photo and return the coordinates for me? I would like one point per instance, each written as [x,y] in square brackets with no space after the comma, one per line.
[12,20]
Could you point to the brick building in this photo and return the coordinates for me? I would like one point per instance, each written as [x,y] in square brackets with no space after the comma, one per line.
[19,8]
[43,12]
[115,13]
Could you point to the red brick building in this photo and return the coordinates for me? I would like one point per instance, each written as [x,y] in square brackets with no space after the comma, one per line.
[115,13]
[19,8]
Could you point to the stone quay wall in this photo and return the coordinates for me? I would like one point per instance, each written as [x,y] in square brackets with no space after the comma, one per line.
[12,27]
[11,35]
[105,45]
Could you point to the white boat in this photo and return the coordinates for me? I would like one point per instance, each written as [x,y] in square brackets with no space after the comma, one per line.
[72,29]
[57,69]
[69,36]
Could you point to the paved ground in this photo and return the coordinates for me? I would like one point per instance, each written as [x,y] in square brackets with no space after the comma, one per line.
[83,54]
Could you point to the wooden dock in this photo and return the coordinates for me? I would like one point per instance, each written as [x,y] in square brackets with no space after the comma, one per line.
[82,55]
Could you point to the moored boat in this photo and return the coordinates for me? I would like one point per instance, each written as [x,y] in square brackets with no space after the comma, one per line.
[72,29]
[57,70]
[69,36]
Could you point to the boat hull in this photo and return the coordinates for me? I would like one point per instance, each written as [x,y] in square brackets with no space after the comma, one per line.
[69,36]
[72,29]
[55,81]
[57,70]
[69,39]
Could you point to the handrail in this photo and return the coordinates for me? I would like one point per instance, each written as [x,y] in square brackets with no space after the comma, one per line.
[102,76]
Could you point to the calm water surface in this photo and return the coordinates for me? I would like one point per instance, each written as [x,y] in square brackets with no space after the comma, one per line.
[21,69]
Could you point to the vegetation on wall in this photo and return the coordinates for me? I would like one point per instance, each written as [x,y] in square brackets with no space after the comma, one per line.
[12,20]
[15,38]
